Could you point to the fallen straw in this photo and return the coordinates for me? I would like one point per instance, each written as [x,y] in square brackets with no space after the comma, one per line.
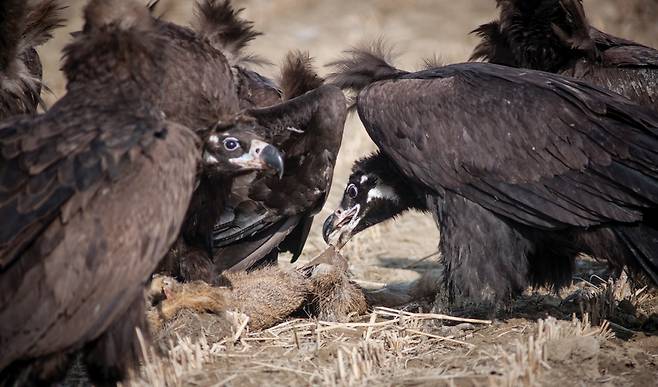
[241,329]
[440,338]
[373,319]
[426,316]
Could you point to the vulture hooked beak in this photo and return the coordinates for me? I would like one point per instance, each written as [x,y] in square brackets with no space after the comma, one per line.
[261,156]
[338,228]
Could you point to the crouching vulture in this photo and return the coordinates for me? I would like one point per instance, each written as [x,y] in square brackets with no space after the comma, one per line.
[555,36]
[522,169]
[263,213]
[92,195]
[267,214]
[214,93]
[24,25]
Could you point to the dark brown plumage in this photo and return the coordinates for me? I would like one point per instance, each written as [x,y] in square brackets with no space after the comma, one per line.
[264,213]
[92,194]
[522,169]
[24,25]
[555,36]
[231,150]
[272,214]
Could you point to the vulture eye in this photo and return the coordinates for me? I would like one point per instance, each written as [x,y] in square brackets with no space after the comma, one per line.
[231,143]
[352,191]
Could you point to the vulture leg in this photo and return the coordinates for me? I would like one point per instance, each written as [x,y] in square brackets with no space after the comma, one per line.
[109,358]
[485,257]
[552,261]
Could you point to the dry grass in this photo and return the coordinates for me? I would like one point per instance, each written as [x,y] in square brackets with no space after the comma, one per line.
[360,350]
[377,349]
[524,363]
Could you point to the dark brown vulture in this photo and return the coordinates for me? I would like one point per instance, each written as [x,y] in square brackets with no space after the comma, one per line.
[522,169]
[191,258]
[223,88]
[217,42]
[92,195]
[266,213]
[24,25]
[555,36]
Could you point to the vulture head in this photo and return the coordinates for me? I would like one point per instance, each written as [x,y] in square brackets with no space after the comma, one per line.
[375,192]
[236,149]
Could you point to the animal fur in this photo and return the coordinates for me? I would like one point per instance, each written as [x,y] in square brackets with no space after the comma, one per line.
[334,296]
[270,295]
[267,296]
[397,294]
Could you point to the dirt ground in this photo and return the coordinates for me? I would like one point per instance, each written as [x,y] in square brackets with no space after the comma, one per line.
[386,348]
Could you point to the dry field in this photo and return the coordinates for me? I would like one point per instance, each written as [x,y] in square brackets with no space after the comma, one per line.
[410,348]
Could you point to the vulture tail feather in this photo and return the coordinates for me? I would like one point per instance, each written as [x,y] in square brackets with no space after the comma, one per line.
[491,38]
[363,66]
[298,76]
[220,23]
[42,19]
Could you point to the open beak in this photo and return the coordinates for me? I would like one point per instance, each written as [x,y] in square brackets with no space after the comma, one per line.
[338,228]
[261,156]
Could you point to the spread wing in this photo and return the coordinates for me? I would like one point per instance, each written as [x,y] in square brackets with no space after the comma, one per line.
[541,149]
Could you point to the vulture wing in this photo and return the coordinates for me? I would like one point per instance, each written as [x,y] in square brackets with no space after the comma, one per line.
[88,210]
[543,150]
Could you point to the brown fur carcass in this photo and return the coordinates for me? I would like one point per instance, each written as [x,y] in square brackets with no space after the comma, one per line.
[555,36]
[92,194]
[24,25]
[270,295]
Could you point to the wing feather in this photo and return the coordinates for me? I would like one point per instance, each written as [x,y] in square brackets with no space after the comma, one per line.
[43,169]
[538,148]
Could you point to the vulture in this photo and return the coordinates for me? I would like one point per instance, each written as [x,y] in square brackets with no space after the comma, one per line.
[266,213]
[555,36]
[210,85]
[212,59]
[92,195]
[191,258]
[24,25]
[522,170]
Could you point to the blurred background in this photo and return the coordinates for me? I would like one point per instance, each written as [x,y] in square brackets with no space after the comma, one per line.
[418,29]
